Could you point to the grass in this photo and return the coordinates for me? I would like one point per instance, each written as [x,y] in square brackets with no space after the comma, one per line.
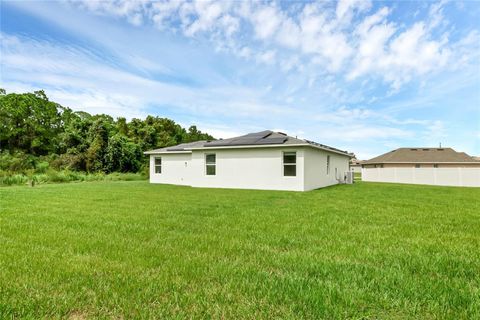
[357,176]
[136,250]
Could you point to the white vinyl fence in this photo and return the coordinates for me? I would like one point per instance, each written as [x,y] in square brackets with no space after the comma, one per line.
[462,177]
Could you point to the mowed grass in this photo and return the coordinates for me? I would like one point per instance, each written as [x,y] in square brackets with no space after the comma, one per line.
[136,250]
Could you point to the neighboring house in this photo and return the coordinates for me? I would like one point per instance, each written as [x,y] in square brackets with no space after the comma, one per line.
[355,165]
[435,166]
[263,160]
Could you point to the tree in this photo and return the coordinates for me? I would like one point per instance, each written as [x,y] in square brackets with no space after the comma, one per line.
[32,126]
[122,155]
[98,142]
[30,122]
[122,126]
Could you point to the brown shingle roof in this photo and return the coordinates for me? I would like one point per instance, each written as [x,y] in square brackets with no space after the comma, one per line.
[356,162]
[422,155]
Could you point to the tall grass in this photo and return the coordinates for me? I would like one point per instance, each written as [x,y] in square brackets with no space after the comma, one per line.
[64,176]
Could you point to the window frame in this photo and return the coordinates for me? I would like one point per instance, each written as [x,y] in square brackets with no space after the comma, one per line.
[214,164]
[155,165]
[289,164]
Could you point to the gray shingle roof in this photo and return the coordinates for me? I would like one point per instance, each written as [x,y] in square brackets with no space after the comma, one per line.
[422,155]
[179,147]
[261,138]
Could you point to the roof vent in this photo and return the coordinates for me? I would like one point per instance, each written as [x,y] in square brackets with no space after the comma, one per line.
[440,149]
[426,149]
[414,149]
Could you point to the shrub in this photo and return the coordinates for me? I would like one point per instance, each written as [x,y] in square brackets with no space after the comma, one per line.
[15,179]
[16,162]
[41,167]
[53,176]
[69,161]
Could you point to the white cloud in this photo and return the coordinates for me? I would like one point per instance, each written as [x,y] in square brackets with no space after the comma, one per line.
[397,59]
[345,8]
[267,57]
[326,66]
[73,77]
[208,14]
[289,34]
[266,21]
[336,39]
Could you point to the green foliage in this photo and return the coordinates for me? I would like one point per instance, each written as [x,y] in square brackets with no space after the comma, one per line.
[12,179]
[69,161]
[16,162]
[122,155]
[33,127]
[53,176]
[30,123]
[133,250]
[42,167]
[95,155]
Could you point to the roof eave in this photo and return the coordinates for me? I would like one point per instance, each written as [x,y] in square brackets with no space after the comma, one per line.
[165,152]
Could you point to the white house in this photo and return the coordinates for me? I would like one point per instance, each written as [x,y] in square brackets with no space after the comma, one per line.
[434,166]
[263,160]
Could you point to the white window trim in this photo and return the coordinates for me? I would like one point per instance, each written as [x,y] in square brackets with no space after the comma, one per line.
[289,164]
[210,164]
[155,165]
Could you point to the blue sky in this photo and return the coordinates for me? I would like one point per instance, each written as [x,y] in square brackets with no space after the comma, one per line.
[363,76]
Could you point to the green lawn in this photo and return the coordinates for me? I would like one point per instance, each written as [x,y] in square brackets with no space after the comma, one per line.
[136,250]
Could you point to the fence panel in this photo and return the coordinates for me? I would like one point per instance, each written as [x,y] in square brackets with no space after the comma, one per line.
[466,177]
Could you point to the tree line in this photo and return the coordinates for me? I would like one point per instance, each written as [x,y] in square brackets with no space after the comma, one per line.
[35,130]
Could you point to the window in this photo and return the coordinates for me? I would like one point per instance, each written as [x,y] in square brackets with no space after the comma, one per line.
[289,164]
[158,165]
[328,164]
[210,164]
[417,166]
[435,165]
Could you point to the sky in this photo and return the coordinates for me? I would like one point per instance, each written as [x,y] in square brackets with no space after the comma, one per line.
[362,76]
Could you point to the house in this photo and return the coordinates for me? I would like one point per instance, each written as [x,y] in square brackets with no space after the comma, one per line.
[262,160]
[356,165]
[434,166]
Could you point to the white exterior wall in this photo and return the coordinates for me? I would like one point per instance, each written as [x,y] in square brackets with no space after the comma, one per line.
[255,168]
[316,168]
[251,168]
[466,177]
[175,169]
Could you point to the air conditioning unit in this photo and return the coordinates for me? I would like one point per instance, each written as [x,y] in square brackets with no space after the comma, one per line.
[349,177]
